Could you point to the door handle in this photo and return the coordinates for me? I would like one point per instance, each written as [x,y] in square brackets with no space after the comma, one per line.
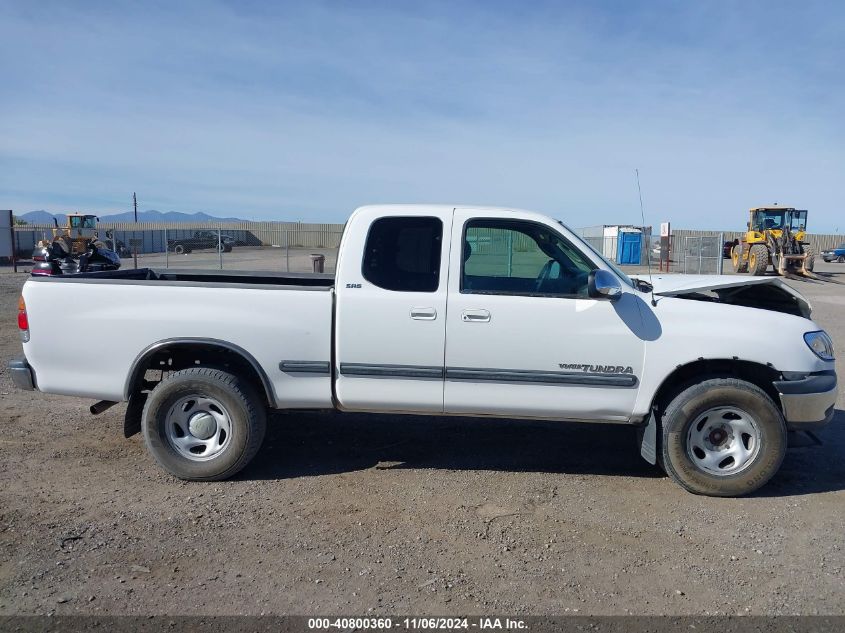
[475,316]
[423,314]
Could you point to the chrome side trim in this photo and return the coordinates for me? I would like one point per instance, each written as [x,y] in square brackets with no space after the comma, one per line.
[546,377]
[390,371]
[140,359]
[305,367]
[492,375]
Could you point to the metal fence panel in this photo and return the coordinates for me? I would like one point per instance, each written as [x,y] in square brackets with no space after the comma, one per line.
[703,255]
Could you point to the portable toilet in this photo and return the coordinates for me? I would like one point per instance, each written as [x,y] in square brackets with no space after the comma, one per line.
[629,246]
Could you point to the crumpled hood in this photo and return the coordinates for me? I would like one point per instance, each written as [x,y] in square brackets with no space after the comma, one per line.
[677,285]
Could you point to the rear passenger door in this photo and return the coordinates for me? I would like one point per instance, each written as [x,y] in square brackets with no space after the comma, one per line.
[391,320]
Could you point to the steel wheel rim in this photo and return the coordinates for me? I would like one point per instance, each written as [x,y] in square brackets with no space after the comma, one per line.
[723,441]
[198,427]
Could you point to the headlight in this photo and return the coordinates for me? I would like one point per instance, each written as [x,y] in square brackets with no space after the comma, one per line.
[820,343]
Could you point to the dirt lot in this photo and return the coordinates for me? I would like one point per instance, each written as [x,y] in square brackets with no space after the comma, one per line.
[353,514]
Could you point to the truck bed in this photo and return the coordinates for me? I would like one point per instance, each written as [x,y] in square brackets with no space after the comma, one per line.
[88,330]
[317,280]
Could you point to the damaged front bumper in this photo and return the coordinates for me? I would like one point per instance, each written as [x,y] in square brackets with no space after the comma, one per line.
[808,401]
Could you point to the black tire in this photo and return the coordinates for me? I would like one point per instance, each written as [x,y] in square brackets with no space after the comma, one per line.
[739,265]
[758,259]
[810,262]
[690,406]
[179,249]
[840,259]
[239,401]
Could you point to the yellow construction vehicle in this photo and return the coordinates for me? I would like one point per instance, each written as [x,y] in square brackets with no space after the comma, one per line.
[79,231]
[775,236]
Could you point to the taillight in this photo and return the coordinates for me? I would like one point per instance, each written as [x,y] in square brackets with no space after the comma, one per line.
[23,320]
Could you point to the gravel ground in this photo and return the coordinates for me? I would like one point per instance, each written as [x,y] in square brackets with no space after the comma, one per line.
[356,514]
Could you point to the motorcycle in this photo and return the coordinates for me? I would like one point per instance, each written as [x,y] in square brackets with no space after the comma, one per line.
[55,258]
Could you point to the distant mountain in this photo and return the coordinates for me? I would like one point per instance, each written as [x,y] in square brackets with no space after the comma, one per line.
[168,216]
[42,217]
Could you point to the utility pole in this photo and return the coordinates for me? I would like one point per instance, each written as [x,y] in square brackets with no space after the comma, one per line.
[134,241]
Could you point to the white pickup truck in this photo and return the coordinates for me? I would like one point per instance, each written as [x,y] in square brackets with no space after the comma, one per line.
[442,310]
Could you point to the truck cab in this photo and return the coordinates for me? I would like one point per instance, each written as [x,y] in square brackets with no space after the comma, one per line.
[509,291]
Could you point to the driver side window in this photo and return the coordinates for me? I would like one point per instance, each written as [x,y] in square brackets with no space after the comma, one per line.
[521,258]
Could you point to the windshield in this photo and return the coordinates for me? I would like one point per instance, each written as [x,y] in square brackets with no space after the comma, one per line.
[591,249]
[767,219]
[83,222]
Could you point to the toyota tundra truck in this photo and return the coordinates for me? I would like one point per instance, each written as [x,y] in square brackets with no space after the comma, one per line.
[442,310]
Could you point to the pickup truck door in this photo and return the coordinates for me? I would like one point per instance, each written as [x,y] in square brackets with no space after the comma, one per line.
[391,312]
[523,337]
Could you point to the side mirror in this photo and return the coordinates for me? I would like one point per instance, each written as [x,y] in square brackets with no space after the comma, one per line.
[603,285]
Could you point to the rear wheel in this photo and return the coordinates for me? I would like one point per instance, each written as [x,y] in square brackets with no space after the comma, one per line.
[722,437]
[758,259]
[179,249]
[739,265]
[840,259]
[203,424]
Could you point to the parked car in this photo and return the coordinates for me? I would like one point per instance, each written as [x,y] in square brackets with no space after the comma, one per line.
[834,254]
[443,310]
[201,240]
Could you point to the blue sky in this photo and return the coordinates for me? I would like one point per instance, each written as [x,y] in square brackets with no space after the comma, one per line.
[307,110]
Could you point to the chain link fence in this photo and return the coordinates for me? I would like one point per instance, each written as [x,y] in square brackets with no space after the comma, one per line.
[203,247]
[703,255]
[288,247]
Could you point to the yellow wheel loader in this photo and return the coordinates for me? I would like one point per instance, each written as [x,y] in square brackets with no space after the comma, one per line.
[775,237]
[80,230]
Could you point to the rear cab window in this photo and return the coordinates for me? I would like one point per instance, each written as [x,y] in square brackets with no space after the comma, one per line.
[403,253]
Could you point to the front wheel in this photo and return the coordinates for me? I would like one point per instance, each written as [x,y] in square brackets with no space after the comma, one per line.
[758,259]
[203,424]
[810,262]
[722,437]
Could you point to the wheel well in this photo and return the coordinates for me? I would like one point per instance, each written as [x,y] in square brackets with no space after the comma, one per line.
[169,356]
[762,376]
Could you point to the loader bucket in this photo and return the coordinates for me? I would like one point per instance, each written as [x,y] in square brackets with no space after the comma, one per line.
[793,265]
